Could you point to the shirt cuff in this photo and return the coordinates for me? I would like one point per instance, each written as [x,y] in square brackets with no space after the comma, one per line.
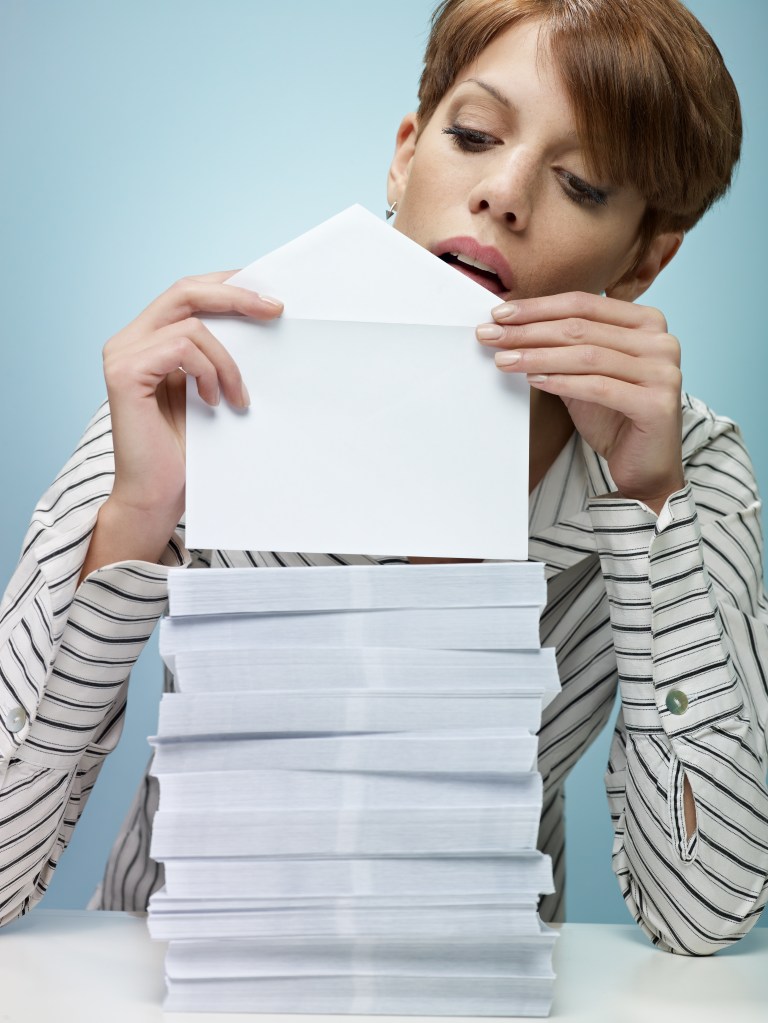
[694,678]
[674,667]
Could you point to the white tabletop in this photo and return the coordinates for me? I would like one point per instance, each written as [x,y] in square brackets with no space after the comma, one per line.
[104,968]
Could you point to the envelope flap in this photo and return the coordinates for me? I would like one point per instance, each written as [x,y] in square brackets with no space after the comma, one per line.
[355,267]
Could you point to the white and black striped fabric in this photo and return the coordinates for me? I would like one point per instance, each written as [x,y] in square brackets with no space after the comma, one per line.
[653,605]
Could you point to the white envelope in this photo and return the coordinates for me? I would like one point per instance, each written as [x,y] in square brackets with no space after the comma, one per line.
[378,424]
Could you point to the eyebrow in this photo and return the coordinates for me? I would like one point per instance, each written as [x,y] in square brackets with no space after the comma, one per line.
[505,101]
[499,96]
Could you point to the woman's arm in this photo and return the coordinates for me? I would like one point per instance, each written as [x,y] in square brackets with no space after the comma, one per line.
[65,654]
[690,625]
[91,582]
[681,557]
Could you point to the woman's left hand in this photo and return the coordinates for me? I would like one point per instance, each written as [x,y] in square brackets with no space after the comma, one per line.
[617,370]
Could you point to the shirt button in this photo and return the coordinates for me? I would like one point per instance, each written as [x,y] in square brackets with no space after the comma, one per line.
[15,719]
[677,702]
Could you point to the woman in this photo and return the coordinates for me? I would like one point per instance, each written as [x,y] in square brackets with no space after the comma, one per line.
[566,147]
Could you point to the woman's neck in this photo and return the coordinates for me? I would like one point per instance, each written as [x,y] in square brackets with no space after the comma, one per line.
[551,427]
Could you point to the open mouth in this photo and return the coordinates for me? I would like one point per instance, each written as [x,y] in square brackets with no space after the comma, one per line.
[479,272]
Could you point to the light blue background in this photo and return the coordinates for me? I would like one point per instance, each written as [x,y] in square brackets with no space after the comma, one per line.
[147,140]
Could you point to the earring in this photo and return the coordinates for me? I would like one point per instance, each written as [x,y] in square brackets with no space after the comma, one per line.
[391,210]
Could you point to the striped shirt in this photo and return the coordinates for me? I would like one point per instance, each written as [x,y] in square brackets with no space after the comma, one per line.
[670,609]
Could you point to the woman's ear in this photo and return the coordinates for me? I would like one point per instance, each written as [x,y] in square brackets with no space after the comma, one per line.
[661,250]
[405,147]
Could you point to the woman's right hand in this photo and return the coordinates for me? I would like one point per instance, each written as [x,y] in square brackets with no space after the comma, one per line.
[145,368]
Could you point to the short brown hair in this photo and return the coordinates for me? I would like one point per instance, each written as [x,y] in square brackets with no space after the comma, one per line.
[654,104]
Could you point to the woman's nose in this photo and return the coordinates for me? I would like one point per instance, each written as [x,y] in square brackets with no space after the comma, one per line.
[506,189]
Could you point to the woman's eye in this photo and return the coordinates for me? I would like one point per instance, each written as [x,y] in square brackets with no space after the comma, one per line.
[581,192]
[470,140]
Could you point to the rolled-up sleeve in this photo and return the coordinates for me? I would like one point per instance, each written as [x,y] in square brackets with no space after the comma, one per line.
[690,625]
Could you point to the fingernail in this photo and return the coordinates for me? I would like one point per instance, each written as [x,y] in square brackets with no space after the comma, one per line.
[245,398]
[271,301]
[505,311]
[507,358]
[489,332]
[537,378]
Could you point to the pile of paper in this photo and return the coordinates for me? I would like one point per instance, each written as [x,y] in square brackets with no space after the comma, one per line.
[349,804]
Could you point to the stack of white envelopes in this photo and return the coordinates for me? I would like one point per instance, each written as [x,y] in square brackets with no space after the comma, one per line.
[349,801]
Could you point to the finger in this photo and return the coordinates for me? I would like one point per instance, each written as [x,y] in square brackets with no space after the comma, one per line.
[152,365]
[591,360]
[194,363]
[214,278]
[227,371]
[578,331]
[640,404]
[582,305]
[190,297]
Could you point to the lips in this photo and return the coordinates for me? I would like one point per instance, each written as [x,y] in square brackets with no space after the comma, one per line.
[482,263]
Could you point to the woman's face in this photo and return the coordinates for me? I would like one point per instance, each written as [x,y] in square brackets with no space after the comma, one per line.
[498,176]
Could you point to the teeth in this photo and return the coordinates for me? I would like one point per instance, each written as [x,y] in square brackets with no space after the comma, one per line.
[472,262]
